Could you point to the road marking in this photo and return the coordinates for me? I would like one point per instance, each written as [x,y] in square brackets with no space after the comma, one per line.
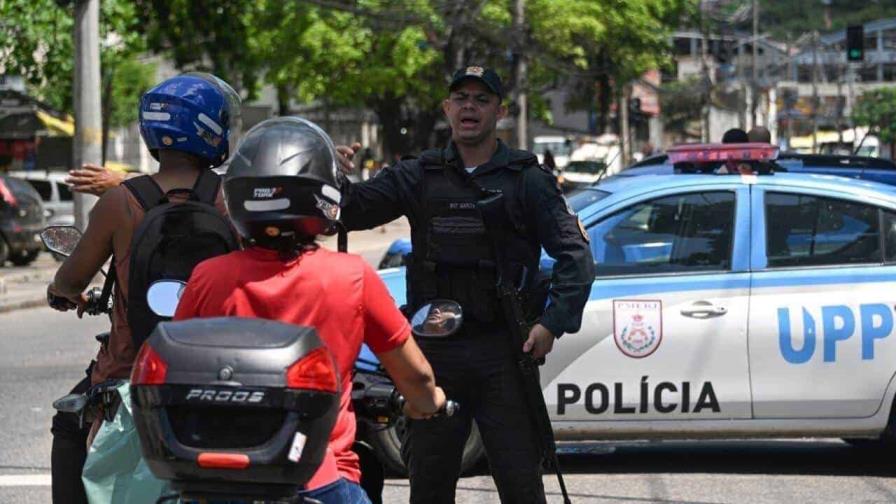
[16,480]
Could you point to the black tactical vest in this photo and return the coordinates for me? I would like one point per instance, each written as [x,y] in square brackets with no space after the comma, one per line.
[453,255]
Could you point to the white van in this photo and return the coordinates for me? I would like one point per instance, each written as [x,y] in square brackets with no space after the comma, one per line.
[559,146]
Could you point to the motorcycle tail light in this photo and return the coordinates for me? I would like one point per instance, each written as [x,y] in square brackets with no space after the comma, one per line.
[314,371]
[211,460]
[149,368]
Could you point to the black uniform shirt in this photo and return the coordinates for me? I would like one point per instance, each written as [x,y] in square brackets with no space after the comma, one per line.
[395,192]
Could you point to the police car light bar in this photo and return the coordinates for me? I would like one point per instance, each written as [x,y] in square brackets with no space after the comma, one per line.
[707,153]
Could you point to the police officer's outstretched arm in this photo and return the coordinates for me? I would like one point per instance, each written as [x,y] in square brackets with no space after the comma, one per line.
[559,232]
[381,199]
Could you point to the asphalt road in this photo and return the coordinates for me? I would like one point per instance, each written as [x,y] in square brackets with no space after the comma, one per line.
[43,353]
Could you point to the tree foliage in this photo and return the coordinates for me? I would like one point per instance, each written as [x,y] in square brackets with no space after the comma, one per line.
[391,56]
[36,42]
[877,110]
[204,35]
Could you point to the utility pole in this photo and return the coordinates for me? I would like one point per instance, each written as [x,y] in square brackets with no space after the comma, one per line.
[519,89]
[88,139]
[851,100]
[754,84]
[624,136]
[815,92]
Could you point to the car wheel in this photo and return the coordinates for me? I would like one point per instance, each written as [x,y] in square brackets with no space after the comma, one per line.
[867,444]
[4,251]
[887,440]
[387,444]
[23,257]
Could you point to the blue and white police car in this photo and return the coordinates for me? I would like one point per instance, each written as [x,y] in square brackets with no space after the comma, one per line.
[730,306]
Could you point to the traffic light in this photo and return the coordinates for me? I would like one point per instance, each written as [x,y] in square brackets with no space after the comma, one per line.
[855,43]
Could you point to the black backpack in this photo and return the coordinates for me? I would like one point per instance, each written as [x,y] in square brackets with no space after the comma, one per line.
[170,241]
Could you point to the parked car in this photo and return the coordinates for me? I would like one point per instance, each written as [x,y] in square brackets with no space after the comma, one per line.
[718,310]
[21,221]
[579,174]
[396,254]
[54,192]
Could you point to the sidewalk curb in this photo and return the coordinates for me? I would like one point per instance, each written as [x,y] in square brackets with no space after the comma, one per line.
[39,299]
[21,304]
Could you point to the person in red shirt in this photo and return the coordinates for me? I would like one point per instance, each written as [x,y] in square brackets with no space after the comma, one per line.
[282,190]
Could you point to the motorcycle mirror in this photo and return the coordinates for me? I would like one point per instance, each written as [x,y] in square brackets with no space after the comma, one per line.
[61,239]
[439,318]
[163,296]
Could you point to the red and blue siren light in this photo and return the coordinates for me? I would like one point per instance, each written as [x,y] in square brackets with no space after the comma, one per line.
[707,153]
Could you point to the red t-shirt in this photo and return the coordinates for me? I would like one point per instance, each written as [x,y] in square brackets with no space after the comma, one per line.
[338,294]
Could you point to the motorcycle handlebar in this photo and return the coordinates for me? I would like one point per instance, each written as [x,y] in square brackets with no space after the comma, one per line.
[383,402]
[448,409]
[93,305]
[94,302]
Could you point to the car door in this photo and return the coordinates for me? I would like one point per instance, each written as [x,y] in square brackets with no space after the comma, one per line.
[664,333]
[821,320]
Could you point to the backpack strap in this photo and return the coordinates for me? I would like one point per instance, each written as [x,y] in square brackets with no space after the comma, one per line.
[108,285]
[207,186]
[148,193]
[145,190]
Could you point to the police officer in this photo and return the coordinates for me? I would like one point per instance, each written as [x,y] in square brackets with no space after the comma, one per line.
[454,258]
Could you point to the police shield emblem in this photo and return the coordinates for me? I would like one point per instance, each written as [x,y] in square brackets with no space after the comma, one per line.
[637,326]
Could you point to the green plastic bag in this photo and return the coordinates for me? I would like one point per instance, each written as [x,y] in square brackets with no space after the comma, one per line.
[115,471]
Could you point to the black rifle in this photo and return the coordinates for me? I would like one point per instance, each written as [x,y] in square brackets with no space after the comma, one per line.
[494,215]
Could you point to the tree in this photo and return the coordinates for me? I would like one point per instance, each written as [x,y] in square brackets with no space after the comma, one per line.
[205,35]
[36,43]
[409,49]
[392,56]
[876,109]
[682,103]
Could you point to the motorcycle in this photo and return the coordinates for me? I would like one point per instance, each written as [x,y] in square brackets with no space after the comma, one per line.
[216,414]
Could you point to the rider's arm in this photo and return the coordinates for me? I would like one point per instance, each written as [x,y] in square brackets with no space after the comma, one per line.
[413,377]
[387,333]
[94,248]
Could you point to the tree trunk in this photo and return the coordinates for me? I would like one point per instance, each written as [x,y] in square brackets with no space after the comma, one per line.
[423,130]
[108,105]
[605,95]
[388,109]
[282,100]
[520,70]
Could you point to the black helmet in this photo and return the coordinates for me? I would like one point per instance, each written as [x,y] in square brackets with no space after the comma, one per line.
[283,182]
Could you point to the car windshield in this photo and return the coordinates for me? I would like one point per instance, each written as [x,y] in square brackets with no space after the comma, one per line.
[581,199]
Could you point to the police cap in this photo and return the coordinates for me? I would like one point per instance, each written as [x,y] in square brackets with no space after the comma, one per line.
[484,75]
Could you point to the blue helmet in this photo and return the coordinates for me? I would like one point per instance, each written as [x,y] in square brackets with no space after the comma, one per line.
[193,112]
